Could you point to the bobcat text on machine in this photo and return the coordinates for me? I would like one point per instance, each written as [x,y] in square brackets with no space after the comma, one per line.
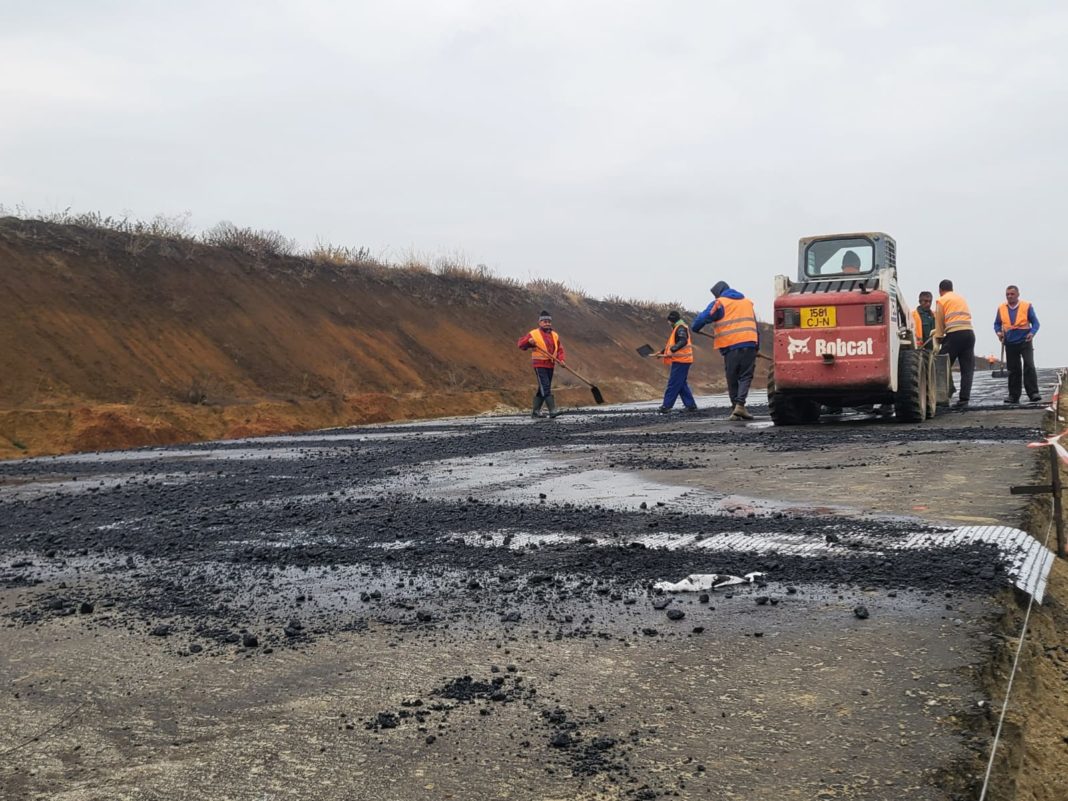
[844,335]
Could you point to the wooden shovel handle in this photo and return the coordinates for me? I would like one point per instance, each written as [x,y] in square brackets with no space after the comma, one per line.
[569,369]
[712,336]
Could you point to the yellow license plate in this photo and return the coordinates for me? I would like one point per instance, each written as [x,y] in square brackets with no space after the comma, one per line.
[818,317]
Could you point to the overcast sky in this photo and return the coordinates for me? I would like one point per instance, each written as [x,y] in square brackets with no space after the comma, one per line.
[646,149]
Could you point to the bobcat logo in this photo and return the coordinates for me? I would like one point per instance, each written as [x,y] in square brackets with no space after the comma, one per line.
[796,346]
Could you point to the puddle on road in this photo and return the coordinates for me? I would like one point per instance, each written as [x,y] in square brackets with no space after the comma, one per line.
[532,477]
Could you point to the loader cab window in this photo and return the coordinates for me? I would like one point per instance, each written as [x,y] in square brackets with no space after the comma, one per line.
[838,258]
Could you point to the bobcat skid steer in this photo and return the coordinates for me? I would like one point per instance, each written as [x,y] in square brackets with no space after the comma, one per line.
[844,336]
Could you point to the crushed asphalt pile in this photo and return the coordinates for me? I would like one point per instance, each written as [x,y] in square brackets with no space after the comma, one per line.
[215,539]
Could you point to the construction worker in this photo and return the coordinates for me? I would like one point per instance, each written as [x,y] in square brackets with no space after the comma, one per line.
[954,331]
[734,323]
[678,352]
[923,320]
[544,344]
[1016,325]
[850,262]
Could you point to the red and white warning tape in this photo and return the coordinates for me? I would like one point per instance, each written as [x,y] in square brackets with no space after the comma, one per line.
[1055,443]
[1062,377]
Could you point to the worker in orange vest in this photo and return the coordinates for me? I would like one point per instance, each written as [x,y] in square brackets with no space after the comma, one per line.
[923,320]
[734,323]
[544,344]
[953,329]
[1016,325]
[678,352]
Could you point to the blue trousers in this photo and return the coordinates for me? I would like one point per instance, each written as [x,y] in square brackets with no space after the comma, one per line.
[545,381]
[677,386]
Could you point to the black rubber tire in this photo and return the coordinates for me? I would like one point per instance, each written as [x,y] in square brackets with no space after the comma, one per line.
[910,400]
[787,411]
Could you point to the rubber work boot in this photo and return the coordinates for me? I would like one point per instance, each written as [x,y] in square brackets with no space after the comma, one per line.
[538,401]
[1035,398]
[550,404]
[741,413]
[1011,400]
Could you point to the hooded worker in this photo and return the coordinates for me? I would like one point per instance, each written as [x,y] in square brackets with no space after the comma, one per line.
[734,324]
[546,351]
[678,352]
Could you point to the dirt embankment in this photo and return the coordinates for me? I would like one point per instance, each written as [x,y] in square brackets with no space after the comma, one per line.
[1030,764]
[111,340]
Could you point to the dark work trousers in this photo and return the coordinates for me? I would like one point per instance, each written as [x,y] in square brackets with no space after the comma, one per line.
[677,386]
[545,381]
[1014,354]
[739,364]
[960,346]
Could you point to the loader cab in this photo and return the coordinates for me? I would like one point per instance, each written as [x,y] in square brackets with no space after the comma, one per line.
[845,256]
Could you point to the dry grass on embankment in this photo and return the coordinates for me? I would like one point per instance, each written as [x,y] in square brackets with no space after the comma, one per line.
[123,334]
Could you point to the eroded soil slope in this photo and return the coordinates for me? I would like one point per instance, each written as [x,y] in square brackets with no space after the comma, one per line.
[112,340]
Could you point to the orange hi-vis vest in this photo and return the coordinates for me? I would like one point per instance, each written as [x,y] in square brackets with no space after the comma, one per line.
[683,355]
[955,312]
[543,352]
[1023,311]
[738,324]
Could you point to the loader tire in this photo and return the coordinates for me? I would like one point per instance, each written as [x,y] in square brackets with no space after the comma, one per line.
[788,411]
[910,400]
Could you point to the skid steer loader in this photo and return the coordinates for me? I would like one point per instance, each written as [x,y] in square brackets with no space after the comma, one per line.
[844,336]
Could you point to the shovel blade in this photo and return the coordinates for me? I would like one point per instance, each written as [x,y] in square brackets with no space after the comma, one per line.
[646,350]
[597,396]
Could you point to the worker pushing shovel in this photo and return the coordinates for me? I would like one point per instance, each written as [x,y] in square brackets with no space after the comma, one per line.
[677,352]
[734,325]
[546,352]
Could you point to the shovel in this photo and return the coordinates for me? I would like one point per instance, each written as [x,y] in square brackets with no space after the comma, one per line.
[645,350]
[1001,372]
[597,396]
[712,336]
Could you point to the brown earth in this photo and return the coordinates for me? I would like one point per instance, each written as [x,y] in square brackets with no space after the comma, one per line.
[1032,758]
[114,340]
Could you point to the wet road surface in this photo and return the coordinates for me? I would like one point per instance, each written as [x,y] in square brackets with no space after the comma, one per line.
[464,609]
